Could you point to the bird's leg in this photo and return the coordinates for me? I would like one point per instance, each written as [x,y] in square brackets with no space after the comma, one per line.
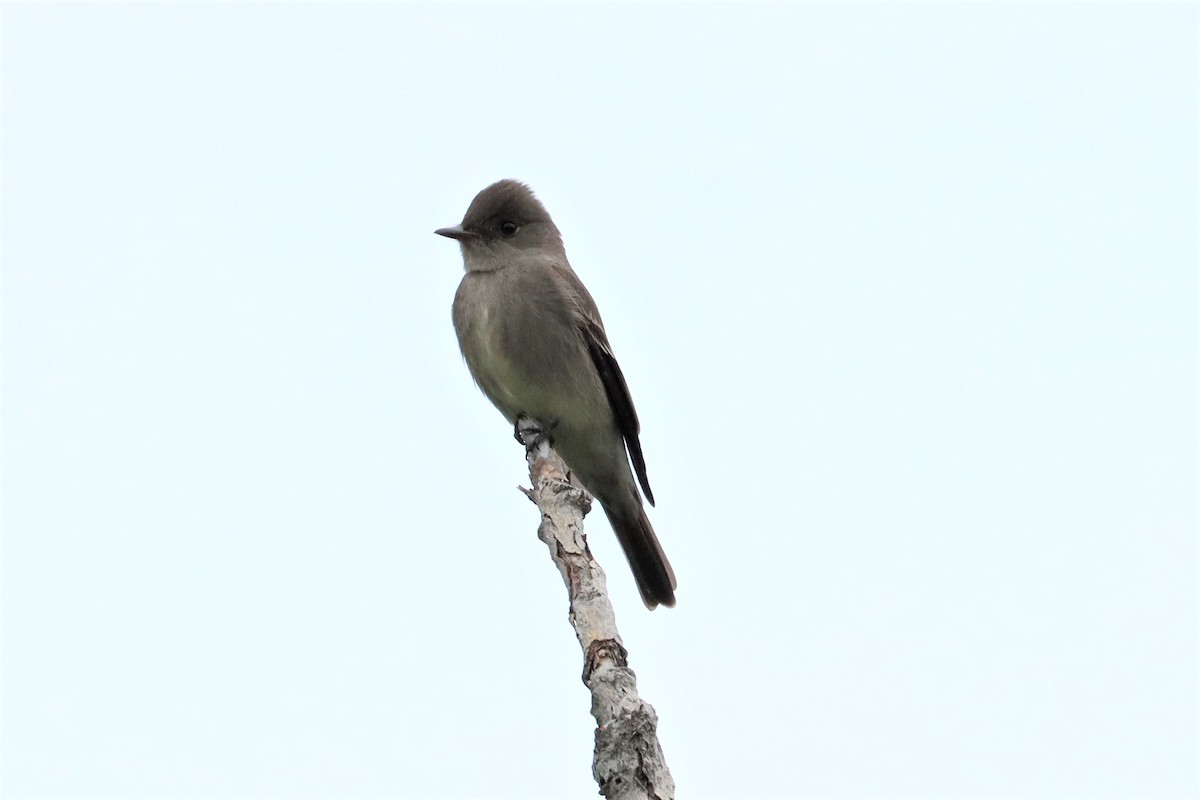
[531,432]
[524,428]
[538,438]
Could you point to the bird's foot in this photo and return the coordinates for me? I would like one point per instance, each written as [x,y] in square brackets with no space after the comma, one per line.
[531,432]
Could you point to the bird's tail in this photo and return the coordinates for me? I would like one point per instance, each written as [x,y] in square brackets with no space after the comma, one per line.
[651,570]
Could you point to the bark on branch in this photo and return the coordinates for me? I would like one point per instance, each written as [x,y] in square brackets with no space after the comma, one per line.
[628,762]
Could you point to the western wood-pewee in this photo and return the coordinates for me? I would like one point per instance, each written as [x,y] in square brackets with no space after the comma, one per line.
[532,337]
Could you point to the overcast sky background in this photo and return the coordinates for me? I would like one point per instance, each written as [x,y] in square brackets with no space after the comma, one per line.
[906,296]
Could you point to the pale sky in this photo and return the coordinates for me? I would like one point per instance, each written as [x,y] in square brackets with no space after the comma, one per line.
[906,296]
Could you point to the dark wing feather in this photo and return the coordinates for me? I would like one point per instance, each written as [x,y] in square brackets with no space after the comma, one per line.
[618,397]
[592,329]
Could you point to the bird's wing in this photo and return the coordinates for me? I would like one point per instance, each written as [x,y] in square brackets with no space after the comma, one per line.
[587,320]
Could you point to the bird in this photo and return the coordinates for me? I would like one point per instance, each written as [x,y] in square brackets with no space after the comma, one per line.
[534,343]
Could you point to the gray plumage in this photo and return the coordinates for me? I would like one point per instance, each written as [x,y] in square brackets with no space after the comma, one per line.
[534,342]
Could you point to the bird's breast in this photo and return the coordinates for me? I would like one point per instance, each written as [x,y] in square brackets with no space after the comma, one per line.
[483,319]
[524,351]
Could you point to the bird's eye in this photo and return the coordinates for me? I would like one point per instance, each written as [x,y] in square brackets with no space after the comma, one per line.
[508,228]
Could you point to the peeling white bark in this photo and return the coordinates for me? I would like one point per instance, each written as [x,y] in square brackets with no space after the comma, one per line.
[628,763]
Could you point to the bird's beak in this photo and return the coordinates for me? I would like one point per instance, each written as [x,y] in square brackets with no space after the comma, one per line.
[455,232]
